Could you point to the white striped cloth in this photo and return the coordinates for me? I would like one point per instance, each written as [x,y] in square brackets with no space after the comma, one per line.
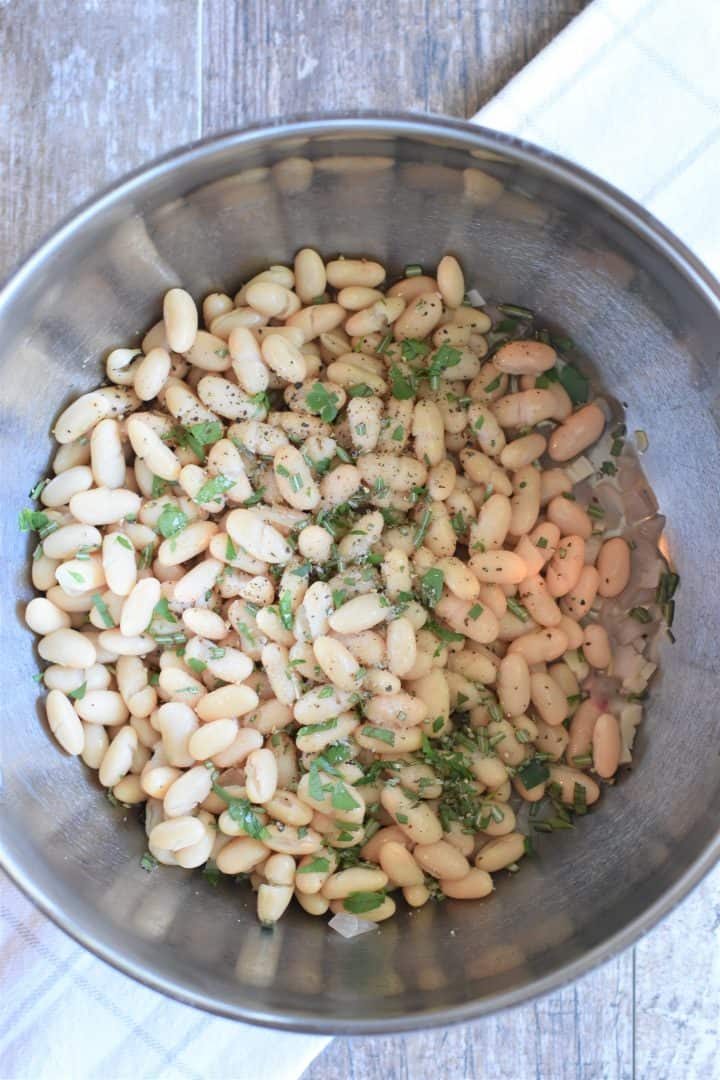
[629,90]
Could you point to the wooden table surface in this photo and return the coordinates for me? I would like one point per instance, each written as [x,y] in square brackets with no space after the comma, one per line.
[90,89]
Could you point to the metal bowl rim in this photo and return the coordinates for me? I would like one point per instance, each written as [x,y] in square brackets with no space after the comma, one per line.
[615,203]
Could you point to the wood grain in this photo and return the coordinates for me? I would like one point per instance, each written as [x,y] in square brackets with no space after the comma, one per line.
[88,90]
[265,58]
[583,1031]
[677,991]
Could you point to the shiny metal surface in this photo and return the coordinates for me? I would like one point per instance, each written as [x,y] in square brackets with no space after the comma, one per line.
[530,228]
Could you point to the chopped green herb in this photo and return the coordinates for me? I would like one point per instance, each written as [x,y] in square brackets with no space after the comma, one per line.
[608,468]
[326,692]
[667,587]
[596,512]
[341,799]
[493,385]
[211,873]
[159,487]
[402,386]
[387,339]
[517,609]
[458,523]
[358,903]
[123,541]
[36,521]
[533,772]
[360,390]
[162,611]
[515,311]
[148,862]
[575,383]
[475,611]
[36,491]
[431,586]
[213,489]
[398,434]
[242,812]
[286,610]
[422,528]
[319,865]
[146,557]
[196,665]
[413,270]
[172,521]
[196,436]
[255,498]
[542,542]
[382,734]
[79,693]
[324,725]
[322,402]
[102,609]
[443,633]
[582,760]
[640,614]
[445,357]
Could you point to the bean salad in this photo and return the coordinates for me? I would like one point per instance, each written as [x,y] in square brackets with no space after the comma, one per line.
[337,592]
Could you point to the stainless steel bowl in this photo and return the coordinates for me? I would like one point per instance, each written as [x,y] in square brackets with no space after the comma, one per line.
[528,227]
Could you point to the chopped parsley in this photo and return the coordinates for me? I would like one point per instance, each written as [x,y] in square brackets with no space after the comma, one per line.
[172,521]
[213,489]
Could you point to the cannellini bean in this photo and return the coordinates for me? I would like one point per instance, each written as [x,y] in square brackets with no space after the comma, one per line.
[613,566]
[138,608]
[476,884]
[596,646]
[418,822]
[524,409]
[578,432]
[442,860]
[570,518]
[401,646]
[451,281]
[357,879]
[178,833]
[181,319]
[344,272]
[360,613]
[68,648]
[310,275]
[117,759]
[502,852]
[525,357]
[606,745]
[578,602]
[500,567]
[567,778]
[44,617]
[566,565]
[533,593]
[548,698]
[104,506]
[399,865]
[64,722]
[513,684]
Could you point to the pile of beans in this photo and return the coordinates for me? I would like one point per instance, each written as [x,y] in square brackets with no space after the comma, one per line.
[317,592]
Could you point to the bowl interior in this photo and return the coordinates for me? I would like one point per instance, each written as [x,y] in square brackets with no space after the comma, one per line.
[526,230]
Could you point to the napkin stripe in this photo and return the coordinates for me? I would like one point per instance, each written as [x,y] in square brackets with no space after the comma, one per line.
[525,120]
[64,969]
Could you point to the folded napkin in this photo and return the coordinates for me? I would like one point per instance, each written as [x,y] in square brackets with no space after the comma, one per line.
[631,91]
[64,1015]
